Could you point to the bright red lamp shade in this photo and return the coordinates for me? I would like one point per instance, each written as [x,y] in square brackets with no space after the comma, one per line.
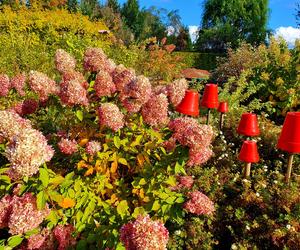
[248,125]
[210,96]
[249,152]
[223,107]
[289,139]
[189,104]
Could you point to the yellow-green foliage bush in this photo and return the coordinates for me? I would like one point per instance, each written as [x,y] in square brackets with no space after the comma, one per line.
[29,38]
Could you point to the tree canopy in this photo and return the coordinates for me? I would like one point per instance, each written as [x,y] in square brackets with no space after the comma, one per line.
[231,22]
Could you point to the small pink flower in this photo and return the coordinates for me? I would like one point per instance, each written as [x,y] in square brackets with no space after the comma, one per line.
[4,85]
[18,82]
[93,147]
[144,233]
[110,116]
[67,146]
[199,204]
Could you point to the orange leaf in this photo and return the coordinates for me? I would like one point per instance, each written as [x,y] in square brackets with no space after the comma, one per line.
[140,159]
[114,166]
[67,203]
[89,172]
[81,164]
[83,142]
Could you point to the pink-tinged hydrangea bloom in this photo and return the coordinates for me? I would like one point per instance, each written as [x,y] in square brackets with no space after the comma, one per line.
[18,83]
[4,85]
[199,155]
[143,234]
[122,77]
[190,133]
[155,111]
[170,144]
[67,146]
[5,210]
[24,214]
[11,124]
[42,241]
[199,204]
[185,181]
[176,91]
[75,75]
[64,62]
[160,89]
[72,92]
[26,107]
[110,116]
[95,60]
[42,85]
[92,147]
[136,94]
[104,85]
[27,152]
[63,235]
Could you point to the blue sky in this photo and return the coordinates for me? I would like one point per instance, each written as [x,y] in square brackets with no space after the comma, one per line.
[282,17]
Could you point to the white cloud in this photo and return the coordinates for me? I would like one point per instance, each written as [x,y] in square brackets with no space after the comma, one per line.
[290,34]
[193,29]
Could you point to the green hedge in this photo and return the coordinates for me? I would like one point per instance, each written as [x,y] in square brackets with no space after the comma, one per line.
[198,60]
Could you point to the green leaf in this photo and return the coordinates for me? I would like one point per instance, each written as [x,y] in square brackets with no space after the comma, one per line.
[81,245]
[53,217]
[32,232]
[79,115]
[142,182]
[137,211]
[171,200]
[155,206]
[120,247]
[15,241]
[41,200]
[122,161]
[117,141]
[44,177]
[180,200]
[122,208]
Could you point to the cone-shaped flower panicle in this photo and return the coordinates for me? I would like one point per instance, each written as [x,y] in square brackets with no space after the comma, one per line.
[67,146]
[176,91]
[4,85]
[199,203]
[104,85]
[18,82]
[64,62]
[144,233]
[110,116]
[44,240]
[155,111]
[199,155]
[122,77]
[95,60]
[75,75]
[42,85]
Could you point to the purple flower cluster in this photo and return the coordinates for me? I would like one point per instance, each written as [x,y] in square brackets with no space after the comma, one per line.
[155,111]
[20,214]
[188,132]
[110,116]
[64,62]
[95,60]
[27,148]
[176,91]
[144,233]
[67,146]
[4,85]
[104,85]
[42,85]
[199,204]
[18,82]
[92,147]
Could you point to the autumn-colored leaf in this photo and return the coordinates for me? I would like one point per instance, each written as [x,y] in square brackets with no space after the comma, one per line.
[89,172]
[114,166]
[67,203]
[140,160]
[83,142]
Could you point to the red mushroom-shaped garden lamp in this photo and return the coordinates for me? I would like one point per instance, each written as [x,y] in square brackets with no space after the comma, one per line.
[189,104]
[223,108]
[248,154]
[248,125]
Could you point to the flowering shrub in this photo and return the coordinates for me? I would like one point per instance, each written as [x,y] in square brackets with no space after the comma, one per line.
[82,158]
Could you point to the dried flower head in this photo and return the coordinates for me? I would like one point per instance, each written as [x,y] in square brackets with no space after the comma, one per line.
[176,91]
[42,85]
[4,85]
[95,60]
[199,204]
[67,146]
[104,85]
[122,77]
[155,111]
[18,82]
[110,116]
[64,62]
[26,107]
[143,234]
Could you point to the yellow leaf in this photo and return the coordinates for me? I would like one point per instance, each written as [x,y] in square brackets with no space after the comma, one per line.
[114,166]
[140,159]
[81,164]
[146,199]
[89,172]
[83,142]
[142,194]
[67,203]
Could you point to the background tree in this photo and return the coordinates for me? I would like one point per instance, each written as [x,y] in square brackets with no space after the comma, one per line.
[232,21]
[183,40]
[114,5]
